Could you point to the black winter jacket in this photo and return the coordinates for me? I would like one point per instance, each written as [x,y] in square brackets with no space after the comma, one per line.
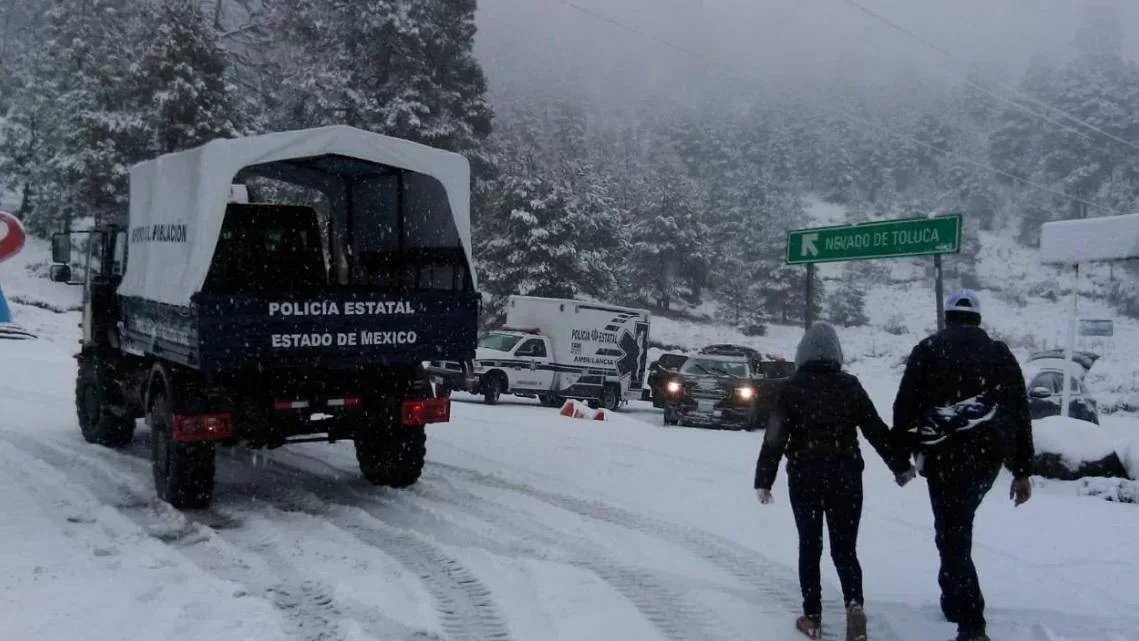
[959,363]
[818,414]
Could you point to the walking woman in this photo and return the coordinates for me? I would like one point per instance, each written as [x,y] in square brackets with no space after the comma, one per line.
[815,422]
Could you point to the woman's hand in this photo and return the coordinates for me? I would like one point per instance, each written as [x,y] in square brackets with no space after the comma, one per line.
[763,495]
[905,477]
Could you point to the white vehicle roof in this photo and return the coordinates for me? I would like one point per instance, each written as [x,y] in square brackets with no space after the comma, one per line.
[178,201]
[1034,368]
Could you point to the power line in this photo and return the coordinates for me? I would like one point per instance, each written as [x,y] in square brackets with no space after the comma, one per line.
[897,27]
[717,63]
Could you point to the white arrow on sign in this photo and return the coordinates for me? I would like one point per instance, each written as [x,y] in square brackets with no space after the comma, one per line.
[808,248]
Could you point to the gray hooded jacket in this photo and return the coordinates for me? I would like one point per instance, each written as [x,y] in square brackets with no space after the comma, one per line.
[820,410]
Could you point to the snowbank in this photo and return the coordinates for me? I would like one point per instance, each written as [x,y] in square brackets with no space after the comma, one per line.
[1113,490]
[1068,449]
[1073,439]
[1128,452]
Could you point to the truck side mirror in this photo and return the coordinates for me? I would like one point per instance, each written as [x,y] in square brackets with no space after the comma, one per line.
[61,273]
[61,248]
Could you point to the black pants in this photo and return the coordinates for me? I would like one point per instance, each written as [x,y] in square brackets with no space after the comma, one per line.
[830,487]
[956,490]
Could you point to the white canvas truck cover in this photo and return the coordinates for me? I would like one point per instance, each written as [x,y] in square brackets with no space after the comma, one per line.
[178,201]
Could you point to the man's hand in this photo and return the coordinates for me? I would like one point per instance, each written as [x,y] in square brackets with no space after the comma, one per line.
[905,477]
[1021,490]
[763,495]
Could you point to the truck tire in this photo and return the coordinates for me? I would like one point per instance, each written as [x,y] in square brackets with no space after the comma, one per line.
[97,397]
[551,400]
[183,472]
[493,388]
[670,417]
[392,454]
[611,397]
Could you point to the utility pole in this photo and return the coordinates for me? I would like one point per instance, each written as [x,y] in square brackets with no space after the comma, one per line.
[809,316]
[939,291]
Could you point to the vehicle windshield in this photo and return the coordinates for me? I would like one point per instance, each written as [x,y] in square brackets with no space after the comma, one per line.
[500,342]
[714,367]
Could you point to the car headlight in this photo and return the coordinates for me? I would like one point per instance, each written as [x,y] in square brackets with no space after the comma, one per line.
[746,393]
[673,387]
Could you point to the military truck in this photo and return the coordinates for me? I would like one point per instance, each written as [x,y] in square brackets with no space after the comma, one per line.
[276,289]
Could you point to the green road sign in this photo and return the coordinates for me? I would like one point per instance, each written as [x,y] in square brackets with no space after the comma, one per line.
[887,239]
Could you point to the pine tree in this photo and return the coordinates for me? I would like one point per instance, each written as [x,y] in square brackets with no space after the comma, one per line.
[181,81]
[404,68]
[81,130]
[846,306]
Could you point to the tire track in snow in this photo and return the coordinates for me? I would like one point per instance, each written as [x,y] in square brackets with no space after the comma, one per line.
[673,615]
[779,584]
[661,605]
[217,541]
[464,605]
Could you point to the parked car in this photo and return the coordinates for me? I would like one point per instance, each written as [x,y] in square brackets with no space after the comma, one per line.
[1044,377]
[667,365]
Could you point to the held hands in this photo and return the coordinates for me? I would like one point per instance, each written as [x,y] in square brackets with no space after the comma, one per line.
[763,495]
[905,477]
[1021,490]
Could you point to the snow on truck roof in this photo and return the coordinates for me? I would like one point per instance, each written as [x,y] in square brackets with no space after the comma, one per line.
[178,201]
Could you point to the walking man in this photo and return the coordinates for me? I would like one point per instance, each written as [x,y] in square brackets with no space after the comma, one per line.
[962,409]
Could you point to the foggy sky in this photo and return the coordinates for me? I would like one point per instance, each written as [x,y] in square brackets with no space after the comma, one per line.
[545,46]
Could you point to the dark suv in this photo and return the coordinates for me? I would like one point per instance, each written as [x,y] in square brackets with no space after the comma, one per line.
[713,390]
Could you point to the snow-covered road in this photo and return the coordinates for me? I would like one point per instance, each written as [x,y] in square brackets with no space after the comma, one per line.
[525,526]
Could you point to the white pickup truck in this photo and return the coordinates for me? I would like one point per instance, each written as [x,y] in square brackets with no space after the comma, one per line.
[555,349]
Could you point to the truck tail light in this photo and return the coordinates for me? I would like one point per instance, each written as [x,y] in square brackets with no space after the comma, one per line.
[203,427]
[424,411]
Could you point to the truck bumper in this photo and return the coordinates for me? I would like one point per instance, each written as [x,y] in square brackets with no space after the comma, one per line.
[725,416]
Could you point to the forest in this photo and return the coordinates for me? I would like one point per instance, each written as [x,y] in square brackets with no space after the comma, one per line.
[662,204]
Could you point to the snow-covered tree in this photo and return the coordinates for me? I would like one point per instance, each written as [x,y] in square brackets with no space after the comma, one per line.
[181,83]
[404,68]
[846,306]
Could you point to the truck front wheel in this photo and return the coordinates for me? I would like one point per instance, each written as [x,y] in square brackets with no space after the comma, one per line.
[183,472]
[97,401]
[611,397]
[392,454]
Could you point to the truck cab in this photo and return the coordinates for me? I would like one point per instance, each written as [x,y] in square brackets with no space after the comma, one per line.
[518,362]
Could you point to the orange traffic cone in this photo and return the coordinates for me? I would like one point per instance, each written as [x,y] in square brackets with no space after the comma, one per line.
[568,410]
[600,416]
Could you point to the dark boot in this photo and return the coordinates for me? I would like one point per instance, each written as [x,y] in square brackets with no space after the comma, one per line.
[855,622]
[811,625]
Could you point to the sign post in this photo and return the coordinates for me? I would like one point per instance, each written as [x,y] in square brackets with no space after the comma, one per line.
[870,241]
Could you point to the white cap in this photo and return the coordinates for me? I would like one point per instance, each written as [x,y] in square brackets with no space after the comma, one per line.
[963,300]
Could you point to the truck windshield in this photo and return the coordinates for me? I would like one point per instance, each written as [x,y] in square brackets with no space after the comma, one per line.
[710,367]
[499,342]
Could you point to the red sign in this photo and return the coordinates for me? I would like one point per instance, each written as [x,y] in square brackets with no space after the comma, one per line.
[11,236]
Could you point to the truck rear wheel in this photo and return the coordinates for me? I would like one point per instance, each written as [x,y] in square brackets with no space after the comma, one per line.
[493,388]
[183,472]
[611,397]
[392,454]
[97,398]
